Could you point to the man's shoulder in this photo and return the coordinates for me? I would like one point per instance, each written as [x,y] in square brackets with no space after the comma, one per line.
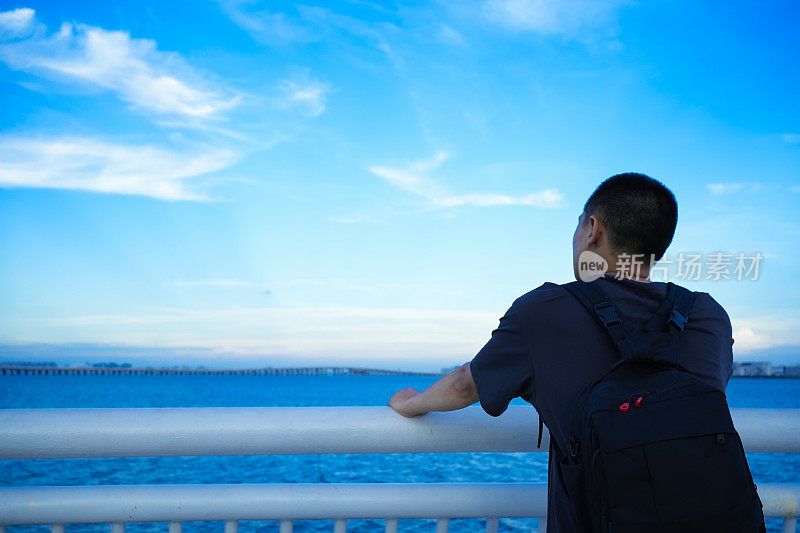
[551,296]
[706,306]
[545,295]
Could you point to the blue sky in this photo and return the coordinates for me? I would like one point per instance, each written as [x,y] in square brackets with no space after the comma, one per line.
[256,183]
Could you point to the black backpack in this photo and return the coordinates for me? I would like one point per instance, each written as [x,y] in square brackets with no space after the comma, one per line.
[652,446]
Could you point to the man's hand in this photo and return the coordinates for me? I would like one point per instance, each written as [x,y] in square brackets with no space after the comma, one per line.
[400,402]
[454,391]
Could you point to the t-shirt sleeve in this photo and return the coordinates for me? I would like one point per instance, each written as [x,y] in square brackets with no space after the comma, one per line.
[502,370]
[728,351]
[716,323]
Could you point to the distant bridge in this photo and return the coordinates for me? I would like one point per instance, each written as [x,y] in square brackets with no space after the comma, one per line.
[149,371]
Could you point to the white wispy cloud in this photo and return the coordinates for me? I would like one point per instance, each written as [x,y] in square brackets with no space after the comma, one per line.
[545,199]
[264,25]
[414,179]
[730,188]
[551,17]
[134,69]
[229,283]
[304,93]
[724,188]
[17,23]
[791,138]
[376,33]
[411,334]
[451,35]
[303,24]
[93,165]
[764,332]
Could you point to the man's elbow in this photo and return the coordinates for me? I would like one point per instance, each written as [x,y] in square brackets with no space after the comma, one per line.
[464,385]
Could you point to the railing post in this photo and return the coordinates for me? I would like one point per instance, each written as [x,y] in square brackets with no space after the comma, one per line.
[340,526]
[542,528]
[231,526]
[286,526]
[391,525]
[175,527]
[118,527]
[57,528]
[492,524]
[442,525]
[789,525]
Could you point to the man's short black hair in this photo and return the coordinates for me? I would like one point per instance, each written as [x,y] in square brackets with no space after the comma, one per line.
[640,214]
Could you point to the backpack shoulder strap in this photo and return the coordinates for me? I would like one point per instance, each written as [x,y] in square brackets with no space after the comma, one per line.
[673,313]
[599,305]
[684,299]
[595,300]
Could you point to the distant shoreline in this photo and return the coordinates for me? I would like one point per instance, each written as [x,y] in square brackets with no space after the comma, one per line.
[765,377]
[22,369]
[46,369]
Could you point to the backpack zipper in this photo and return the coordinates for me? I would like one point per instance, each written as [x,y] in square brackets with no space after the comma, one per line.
[577,439]
[631,398]
[598,480]
[670,386]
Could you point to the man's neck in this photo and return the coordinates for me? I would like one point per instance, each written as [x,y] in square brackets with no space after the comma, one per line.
[644,277]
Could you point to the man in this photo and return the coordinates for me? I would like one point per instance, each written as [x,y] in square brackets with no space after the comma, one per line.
[547,347]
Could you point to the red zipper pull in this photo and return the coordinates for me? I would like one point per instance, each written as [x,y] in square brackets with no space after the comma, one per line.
[624,407]
[638,402]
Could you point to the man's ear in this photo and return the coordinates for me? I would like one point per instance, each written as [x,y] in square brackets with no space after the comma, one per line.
[595,231]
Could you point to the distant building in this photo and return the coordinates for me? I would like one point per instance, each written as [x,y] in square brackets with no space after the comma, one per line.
[752,369]
[109,364]
[791,371]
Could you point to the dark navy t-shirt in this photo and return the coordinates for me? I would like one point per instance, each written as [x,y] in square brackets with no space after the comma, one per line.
[548,347]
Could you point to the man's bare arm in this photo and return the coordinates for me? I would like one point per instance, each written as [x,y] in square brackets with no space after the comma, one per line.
[454,391]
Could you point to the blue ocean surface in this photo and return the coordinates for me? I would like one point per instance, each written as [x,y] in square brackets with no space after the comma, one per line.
[271,391]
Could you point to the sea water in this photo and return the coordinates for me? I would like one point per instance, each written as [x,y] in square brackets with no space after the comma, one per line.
[286,391]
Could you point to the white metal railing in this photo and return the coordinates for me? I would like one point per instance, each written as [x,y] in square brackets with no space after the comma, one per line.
[62,433]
